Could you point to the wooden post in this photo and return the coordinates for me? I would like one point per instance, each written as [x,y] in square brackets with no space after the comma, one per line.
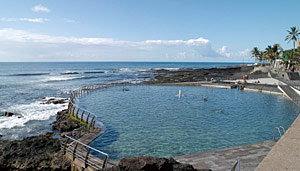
[92,121]
[69,105]
[86,158]
[87,119]
[73,113]
[74,151]
[82,116]
[104,163]
[77,113]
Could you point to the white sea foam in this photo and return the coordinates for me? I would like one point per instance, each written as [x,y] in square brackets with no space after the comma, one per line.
[62,78]
[133,81]
[169,69]
[29,112]
[134,69]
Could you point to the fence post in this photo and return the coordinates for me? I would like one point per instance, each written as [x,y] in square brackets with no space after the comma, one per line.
[82,116]
[77,113]
[91,124]
[94,124]
[86,158]
[105,161]
[74,151]
[87,119]
[73,113]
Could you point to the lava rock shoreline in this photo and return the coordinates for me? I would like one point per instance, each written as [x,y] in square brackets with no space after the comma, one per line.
[41,152]
[195,75]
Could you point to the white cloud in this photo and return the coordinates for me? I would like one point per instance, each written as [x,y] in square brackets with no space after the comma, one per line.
[191,42]
[8,19]
[32,20]
[224,52]
[69,20]
[40,8]
[21,45]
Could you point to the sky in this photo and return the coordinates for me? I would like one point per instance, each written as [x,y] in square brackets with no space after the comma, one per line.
[142,30]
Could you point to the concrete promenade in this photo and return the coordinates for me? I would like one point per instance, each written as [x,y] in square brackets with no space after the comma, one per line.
[223,160]
[285,155]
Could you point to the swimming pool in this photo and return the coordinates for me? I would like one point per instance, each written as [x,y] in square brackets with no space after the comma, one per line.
[152,120]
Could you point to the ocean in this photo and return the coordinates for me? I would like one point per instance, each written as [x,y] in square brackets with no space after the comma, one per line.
[24,88]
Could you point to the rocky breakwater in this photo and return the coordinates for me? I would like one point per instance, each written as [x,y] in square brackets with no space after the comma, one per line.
[146,163]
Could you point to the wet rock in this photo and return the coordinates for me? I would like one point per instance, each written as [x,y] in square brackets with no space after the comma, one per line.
[64,123]
[146,163]
[56,101]
[32,153]
[8,114]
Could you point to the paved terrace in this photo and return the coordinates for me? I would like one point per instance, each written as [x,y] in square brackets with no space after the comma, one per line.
[249,155]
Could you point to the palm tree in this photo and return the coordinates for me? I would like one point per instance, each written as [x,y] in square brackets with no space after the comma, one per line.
[257,54]
[269,54]
[293,35]
[277,50]
[272,53]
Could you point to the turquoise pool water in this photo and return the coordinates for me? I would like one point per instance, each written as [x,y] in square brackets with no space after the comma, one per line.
[151,120]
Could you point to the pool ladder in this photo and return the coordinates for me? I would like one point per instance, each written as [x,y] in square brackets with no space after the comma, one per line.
[236,166]
[279,132]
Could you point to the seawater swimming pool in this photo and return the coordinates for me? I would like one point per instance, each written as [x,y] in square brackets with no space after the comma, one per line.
[151,120]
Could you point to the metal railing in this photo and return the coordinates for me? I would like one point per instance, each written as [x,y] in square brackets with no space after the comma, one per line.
[84,155]
[77,148]
[279,132]
[291,93]
[295,84]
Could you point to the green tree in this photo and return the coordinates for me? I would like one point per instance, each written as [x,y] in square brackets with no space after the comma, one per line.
[272,53]
[293,35]
[257,54]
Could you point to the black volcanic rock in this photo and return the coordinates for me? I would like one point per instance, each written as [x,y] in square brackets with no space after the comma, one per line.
[32,153]
[56,101]
[195,75]
[147,163]
[64,123]
[8,114]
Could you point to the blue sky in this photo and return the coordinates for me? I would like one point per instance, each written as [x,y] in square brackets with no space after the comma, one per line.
[140,30]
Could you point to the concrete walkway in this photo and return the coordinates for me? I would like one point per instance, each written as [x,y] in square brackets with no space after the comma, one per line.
[285,155]
[249,155]
[269,81]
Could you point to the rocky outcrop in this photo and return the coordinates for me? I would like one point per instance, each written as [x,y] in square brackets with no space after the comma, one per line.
[55,101]
[146,163]
[32,153]
[64,123]
[8,114]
